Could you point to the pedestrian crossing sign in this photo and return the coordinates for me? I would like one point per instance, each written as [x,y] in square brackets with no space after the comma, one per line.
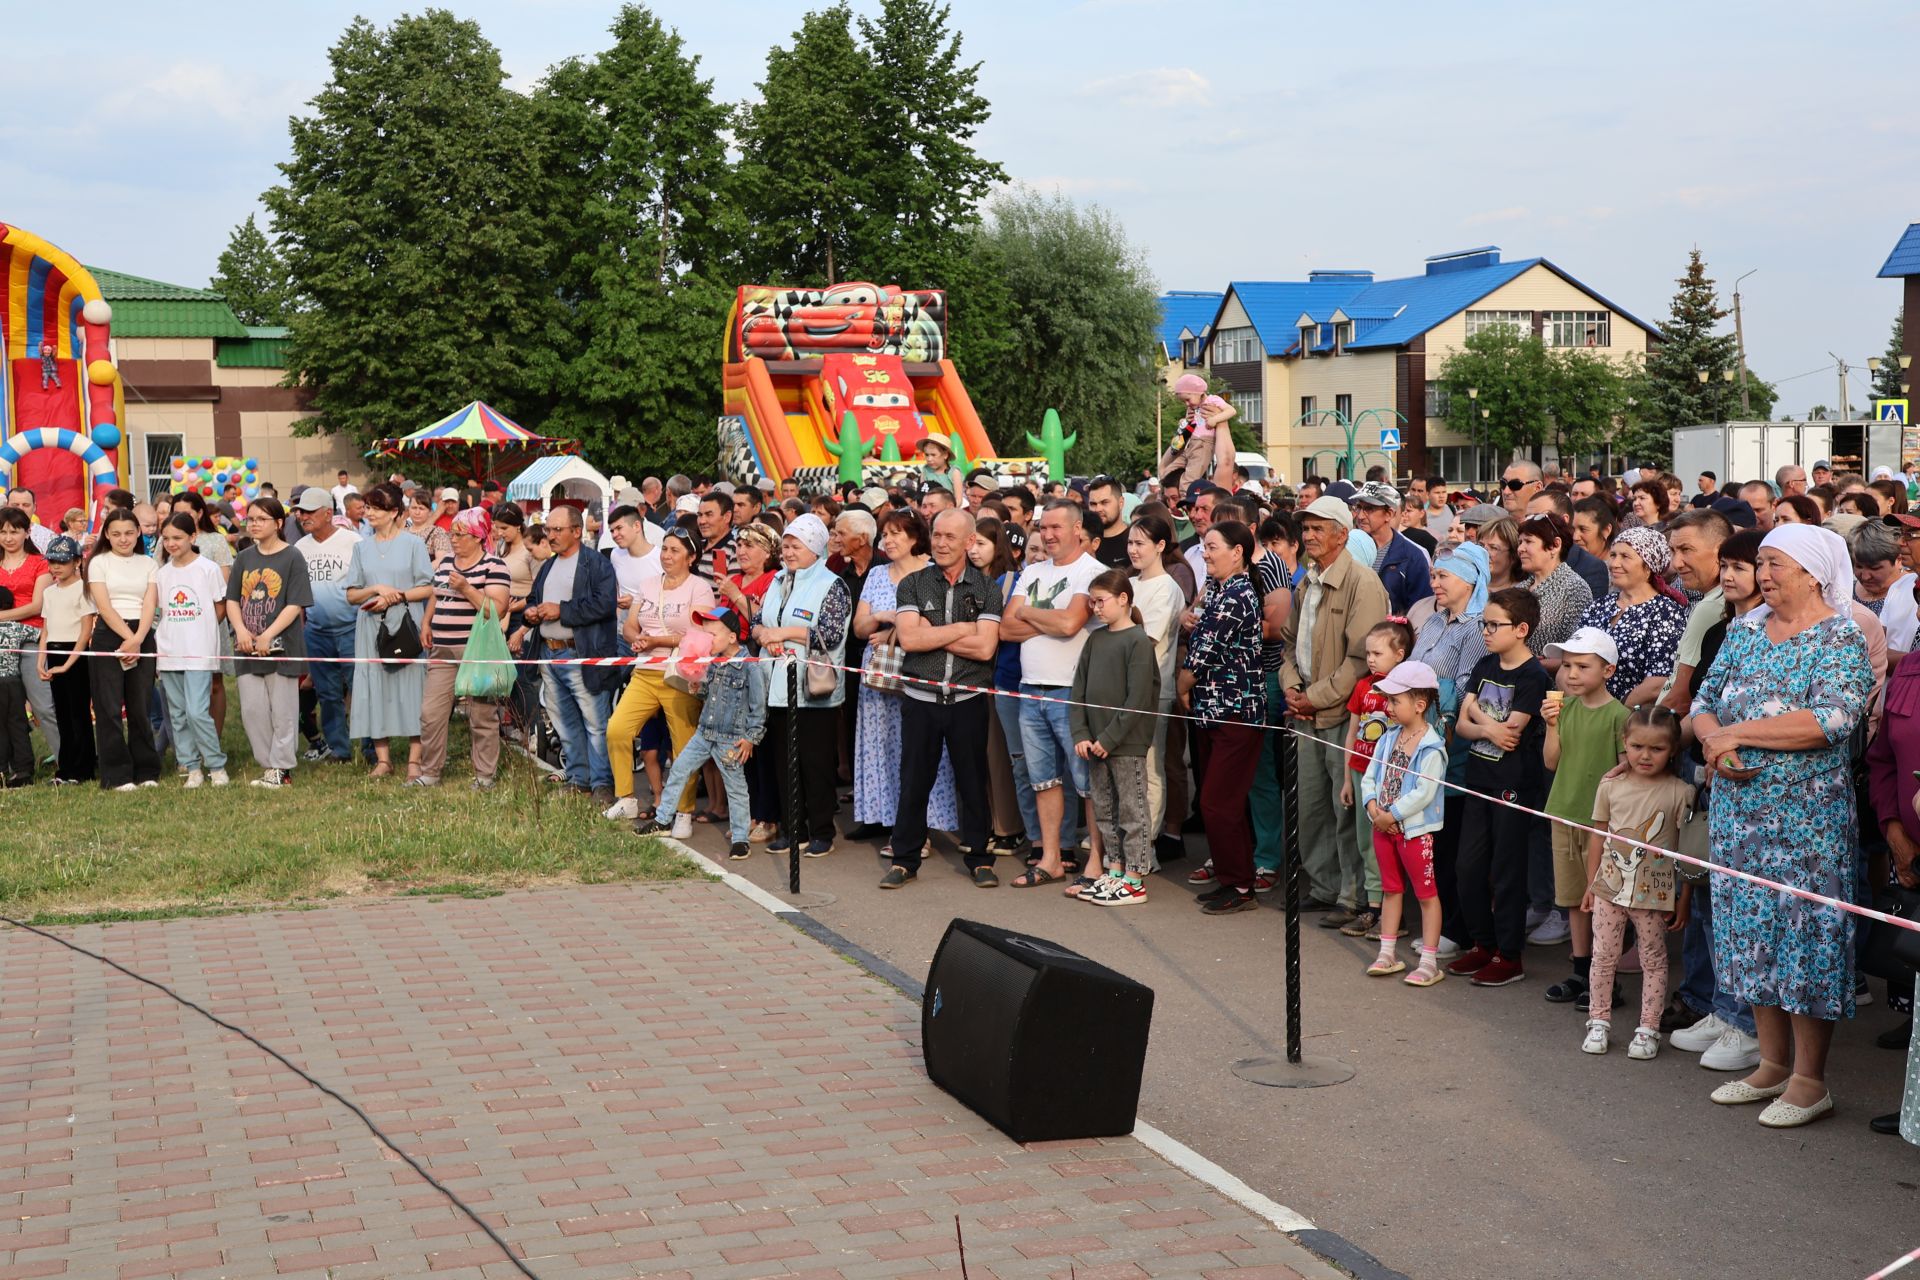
[1389,439]
[1890,411]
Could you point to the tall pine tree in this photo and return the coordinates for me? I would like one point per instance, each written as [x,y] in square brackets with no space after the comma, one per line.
[638,217]
[409,218]
[1888,377]
[1671,392]
[252,276]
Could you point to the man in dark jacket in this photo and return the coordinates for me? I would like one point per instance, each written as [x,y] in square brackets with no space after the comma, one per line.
[570,615]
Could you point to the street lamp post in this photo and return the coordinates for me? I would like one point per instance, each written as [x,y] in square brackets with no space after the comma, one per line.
[1485,414]
[1473,434]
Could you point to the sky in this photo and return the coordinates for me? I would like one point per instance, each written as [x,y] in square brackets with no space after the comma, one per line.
[1249,141]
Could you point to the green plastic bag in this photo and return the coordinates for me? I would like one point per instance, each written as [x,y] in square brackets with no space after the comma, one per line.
[485,669]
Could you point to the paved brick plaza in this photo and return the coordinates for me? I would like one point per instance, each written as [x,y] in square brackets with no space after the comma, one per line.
[624,1080]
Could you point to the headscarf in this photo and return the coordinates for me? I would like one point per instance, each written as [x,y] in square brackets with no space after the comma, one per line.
[1469,562]
[476,523]
[811,532]
[1656,553]
[1823,554]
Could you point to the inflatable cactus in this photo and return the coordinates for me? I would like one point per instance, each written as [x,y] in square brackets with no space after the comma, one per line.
[960,453]
[1052,444]
[850,449]
[890,449]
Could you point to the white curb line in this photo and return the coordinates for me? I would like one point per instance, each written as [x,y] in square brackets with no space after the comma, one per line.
[1168,1148]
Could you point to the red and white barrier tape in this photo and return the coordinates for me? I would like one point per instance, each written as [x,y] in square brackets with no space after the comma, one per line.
[663,659]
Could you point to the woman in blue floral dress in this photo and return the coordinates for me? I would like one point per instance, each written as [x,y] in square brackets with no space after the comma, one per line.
[1642,613]
[1774,716]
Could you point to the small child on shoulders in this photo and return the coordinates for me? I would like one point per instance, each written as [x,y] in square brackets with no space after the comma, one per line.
[1190,456]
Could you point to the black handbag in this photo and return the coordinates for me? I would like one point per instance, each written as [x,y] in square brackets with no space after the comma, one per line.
[1891,952]
[398,644]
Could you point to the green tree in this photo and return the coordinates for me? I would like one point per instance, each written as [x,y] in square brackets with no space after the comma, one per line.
[1888,377]
[1515,381]
[1586,398]
[409,218]
[252,276]
[1675,395]
[1082,317]
[637,216]
[922,109]
[806,156]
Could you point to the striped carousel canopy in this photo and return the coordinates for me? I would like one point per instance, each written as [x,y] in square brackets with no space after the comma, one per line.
[474,423]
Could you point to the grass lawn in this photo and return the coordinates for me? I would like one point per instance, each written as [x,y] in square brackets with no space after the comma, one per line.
[72,854]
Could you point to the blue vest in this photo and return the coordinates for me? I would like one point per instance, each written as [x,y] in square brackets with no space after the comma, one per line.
[794,600]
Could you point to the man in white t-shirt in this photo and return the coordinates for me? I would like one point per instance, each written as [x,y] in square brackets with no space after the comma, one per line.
[1048,615]
[634,558]
[328,551]
[341,489]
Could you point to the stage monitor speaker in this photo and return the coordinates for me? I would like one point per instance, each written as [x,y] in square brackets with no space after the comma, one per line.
[1019,1028]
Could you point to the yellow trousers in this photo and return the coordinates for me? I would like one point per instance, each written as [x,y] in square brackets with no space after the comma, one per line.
[648,694]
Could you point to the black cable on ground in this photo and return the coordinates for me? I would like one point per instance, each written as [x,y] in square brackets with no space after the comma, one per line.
[378,1133]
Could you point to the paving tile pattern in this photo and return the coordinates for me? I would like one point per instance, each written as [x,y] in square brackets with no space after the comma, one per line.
[622,1081]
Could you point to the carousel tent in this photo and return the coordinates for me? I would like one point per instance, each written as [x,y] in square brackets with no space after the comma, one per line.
[570,477]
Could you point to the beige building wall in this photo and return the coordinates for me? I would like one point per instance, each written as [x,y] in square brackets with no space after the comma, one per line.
[1367,376]
[1536,289]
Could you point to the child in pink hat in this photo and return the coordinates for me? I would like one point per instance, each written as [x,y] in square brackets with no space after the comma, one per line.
[1190,456]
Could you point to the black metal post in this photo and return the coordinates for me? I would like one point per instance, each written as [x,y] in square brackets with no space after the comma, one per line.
[1290,849]
[793,776]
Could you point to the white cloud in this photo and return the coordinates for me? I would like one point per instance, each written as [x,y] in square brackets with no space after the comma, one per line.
[1512,213]
[1158,87]
[1081,186]
[193,90]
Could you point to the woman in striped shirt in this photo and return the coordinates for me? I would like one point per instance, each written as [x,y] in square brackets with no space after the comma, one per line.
[464,581]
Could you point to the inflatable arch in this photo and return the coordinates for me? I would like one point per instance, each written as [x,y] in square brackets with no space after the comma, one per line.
[100,469]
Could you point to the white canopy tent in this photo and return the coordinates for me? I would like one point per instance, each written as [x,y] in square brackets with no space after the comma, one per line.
[569,477]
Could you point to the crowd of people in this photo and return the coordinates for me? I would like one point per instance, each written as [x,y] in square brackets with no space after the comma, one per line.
[1505,709]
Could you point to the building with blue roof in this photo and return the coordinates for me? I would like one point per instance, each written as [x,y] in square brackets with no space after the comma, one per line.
[1371,349]
[1903,264]
[1186,315]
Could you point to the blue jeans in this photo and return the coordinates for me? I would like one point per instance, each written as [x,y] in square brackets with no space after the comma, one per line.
[1698,989]
[1046,735]
[195,744]
[580,718]
[696,753]
[330,680]
[1008,709]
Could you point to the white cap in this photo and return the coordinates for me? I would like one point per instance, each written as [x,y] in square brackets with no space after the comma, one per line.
[1587,640]
[1328,508]
[1407,676]
[687,502]
[449,495]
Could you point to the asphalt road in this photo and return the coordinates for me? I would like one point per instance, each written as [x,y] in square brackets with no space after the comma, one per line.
[1475,1139]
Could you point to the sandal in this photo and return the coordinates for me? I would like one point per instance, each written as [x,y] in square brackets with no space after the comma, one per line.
[1033,877]
[384,769]
[708,816]
[1079,886]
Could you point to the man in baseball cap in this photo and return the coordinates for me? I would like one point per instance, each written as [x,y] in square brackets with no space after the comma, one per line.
[1402,566]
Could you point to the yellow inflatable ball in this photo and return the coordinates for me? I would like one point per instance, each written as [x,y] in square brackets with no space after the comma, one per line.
[101,374]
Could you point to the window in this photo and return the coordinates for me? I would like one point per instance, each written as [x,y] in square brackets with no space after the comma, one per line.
[1249,404]
[1307,406]
[1236,346]
[1579,329]
[1485,321]
[1343,405]
[1438,401]
[1188,349]
[160,452]
[1342,336]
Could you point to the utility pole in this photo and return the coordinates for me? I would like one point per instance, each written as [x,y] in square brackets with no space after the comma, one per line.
[1845,413]
[1740,343]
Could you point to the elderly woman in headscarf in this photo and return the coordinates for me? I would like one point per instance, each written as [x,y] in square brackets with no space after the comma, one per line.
[464,583]
[1644,614]
[805,615]
[1773,718]
[1449,641]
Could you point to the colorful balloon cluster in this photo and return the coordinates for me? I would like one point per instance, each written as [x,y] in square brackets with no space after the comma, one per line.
[209,477]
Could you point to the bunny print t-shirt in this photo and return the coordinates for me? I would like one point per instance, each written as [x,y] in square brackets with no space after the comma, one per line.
[1647,810]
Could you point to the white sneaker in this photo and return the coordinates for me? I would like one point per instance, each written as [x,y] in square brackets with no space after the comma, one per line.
[622,810]
[271,779]
[1449,949]
[151,782]
[1596,1041]
[195,779]
[219,778]
[1699,1037]
[1733,1051]
[127,786]
[682,826]
[1645,1044]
